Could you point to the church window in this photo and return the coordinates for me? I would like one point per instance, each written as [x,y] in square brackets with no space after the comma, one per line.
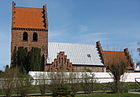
[25,36]
[35,37]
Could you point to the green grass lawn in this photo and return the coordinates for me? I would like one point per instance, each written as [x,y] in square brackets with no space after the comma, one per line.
[109,95]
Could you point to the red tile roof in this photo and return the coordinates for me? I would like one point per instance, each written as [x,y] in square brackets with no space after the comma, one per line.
[29,18]
[115,57]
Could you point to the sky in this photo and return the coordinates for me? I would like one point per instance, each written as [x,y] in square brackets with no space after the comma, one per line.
[116,23]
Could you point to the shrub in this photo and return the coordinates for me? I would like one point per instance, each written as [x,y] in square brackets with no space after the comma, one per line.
[88,82]
[61,90]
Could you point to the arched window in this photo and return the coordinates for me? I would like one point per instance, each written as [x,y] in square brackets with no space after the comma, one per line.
[35,37]
[25,36]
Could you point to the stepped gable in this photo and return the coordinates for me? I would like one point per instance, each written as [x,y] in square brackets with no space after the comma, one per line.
[109,57]
[61,63]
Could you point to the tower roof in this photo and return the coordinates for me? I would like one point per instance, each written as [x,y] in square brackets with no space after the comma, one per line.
[24,17]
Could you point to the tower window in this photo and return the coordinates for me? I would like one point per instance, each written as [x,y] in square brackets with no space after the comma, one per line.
[25,36]
[35,37]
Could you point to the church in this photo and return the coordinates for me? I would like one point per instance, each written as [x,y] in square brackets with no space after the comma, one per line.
[30,29]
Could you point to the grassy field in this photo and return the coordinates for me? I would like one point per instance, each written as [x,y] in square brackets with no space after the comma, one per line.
[109,95]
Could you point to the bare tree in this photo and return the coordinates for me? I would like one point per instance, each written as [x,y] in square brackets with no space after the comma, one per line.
[117,68]
[74,81]
[22,84]
[42,82]
[7,82]
[59,84]
[138,49]
[13,81]
[88,82]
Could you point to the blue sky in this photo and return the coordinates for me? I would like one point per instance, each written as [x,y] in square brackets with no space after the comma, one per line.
[116,23]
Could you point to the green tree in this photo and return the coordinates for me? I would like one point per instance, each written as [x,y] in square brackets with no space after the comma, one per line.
[14,58]
[42,63]
[34,57]
[22,59]
[28,60]
[7,68]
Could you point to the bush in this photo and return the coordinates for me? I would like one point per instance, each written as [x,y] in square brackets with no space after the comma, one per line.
[122,88]
[63,84]
[88,82]
[7,82]
[61,90]
[41,81]
[23,84]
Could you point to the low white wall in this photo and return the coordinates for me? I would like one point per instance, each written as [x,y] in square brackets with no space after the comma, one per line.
[102,77]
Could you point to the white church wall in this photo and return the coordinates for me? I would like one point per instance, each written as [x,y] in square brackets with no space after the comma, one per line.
[101,77]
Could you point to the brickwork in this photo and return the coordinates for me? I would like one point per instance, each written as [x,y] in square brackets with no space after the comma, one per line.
[100,50]
[115,56]
[61,63]
[30,29]
[17,40]
[84,68]
[130,60]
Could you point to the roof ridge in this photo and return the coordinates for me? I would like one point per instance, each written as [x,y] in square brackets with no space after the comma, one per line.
[28,7]
[112,51]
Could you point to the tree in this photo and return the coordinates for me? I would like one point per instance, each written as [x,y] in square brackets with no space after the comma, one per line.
[7,82]
[59,84]
[73,82]
[22,59]
[42,82]
[7,68]
[28,60]
[138,49]
[19,59]
[22,84]
[14,58]
[88,82]
[117,69]
[34,57]
[14,81]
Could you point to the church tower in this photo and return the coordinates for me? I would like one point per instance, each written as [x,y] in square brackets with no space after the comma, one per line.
[29,28]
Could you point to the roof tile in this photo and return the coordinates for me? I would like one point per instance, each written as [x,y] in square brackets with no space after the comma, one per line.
[114,57]
[29,18]
[77,53]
